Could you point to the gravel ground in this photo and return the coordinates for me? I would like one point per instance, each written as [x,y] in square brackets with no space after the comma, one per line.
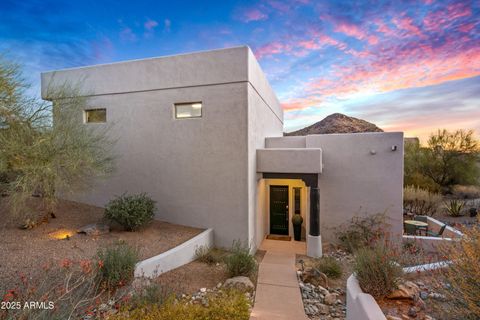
[27,251]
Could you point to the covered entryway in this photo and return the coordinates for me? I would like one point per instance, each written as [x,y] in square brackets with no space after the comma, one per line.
[281,167]
[279,210]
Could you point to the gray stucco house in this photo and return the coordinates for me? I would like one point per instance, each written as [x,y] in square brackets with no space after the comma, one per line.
[202,133]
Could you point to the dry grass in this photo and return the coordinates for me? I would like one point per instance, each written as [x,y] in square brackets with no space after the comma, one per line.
[463,276]
[466,192]
[421,201]
[377,271]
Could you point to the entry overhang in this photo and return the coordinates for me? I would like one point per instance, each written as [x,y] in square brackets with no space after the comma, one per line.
[289,160]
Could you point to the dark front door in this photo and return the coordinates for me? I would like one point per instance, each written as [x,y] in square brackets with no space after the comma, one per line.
[279,210]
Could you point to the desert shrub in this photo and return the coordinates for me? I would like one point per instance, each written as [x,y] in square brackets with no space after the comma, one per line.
[466,192]
[411,253]
[463,276]
[420,201]
[117,265]
[454,207]
[329,266]
[209,255]
[362,232]
[40,158]
[230,304]
[71,286]
[131,211]
[413,176]
[153,293]
[449,158]
[239,261]
[376,270]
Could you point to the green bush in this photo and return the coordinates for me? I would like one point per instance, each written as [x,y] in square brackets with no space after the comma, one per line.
[329,266]
[377,271]
[131,211]
[209,255]
[454,207]
[230,304]
[117,264]
[420,201]
[240,262]
[362,232]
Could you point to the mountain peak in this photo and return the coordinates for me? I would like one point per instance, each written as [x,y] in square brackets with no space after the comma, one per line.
[337,123]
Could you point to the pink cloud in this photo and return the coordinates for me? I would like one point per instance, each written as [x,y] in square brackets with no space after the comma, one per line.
[443,18]
[354,31]
[309,44]
[272,48]
[254,15]
[150,24]
[300,103]
[383,28]
[466,27]
[419,67]
[406,24]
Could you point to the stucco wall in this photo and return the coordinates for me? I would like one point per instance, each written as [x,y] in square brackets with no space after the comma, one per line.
[262,123]
[194,168]
[201,172]
[179,71]
[355,181]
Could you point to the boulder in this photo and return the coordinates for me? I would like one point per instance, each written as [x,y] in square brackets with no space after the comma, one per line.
[315,277]
[239,283]
[406,290]
[330,299]
[94,229]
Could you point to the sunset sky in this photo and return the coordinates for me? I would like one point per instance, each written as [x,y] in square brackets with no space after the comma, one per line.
[410,66]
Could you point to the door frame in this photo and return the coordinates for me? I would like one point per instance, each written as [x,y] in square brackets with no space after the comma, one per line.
[288,209]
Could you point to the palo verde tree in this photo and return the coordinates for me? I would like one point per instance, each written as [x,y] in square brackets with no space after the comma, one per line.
[45,148]
[449,158]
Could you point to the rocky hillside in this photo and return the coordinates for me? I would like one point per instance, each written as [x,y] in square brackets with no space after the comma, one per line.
[337,123]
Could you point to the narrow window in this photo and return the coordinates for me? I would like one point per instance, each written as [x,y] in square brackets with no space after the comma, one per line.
[188,110]
[96,116]
[296,192]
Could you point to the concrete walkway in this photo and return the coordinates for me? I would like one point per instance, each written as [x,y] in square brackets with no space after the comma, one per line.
[278,294]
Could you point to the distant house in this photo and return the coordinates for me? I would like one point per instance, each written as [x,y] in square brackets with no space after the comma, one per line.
[202,133]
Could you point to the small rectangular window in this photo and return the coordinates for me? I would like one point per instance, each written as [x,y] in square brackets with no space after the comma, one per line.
[96,116]
[188,110]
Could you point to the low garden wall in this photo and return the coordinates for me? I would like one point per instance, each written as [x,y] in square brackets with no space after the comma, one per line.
[431,244]
[175,257]
[362,306]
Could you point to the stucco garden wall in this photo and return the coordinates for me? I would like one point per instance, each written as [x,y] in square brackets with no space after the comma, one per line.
[435,244]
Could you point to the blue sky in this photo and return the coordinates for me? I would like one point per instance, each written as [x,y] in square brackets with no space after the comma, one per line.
[410,66]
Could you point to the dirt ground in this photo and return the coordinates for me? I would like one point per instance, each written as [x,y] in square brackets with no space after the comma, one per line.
[189,278]
[27,251]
